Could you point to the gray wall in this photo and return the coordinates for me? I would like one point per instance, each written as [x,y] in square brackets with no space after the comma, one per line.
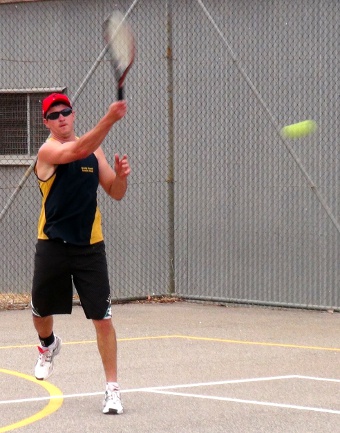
[247,226]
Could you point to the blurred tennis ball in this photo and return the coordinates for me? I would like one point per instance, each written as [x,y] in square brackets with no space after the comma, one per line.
[297,130]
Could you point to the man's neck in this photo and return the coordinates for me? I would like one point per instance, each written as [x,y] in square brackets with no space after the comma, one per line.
[63,138]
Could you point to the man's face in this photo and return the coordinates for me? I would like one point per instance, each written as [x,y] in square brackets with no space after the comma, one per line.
[59,120]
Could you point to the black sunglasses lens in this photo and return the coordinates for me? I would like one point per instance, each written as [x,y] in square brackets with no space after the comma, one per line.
[54,116]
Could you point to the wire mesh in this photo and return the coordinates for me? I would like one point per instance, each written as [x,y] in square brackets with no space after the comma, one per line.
[216,208]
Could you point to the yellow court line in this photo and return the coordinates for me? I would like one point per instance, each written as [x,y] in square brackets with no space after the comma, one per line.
[192,337]
[70,343]
[52,406]
[260,343]
[223,340]
[21,346]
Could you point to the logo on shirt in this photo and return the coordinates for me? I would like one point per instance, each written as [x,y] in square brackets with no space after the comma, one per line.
[87,169]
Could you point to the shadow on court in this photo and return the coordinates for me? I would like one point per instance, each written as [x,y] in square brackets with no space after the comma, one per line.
[183,367]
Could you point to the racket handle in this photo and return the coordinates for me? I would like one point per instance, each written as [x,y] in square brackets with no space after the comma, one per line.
[120,94]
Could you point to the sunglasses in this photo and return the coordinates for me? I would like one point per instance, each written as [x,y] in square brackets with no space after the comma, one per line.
[54,116]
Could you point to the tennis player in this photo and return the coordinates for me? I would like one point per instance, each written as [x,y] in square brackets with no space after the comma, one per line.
[70,250]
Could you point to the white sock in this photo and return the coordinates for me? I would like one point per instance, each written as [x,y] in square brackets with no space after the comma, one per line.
[112,386]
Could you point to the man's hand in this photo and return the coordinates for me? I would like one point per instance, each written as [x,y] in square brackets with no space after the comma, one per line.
[117,110]
[122,167]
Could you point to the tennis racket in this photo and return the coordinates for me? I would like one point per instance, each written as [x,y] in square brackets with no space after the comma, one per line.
[121,47]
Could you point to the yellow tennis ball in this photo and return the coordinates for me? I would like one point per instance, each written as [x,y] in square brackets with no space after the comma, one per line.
[298,130]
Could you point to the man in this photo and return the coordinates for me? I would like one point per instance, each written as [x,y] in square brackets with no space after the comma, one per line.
[70,249]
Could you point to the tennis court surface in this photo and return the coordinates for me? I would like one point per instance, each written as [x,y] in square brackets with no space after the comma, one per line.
[183,367]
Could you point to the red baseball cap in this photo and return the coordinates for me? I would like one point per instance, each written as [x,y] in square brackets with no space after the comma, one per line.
[52,100]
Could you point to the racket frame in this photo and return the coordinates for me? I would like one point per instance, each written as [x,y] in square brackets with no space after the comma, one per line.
[110,34]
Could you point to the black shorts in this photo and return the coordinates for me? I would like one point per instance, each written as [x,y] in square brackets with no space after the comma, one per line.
[58,267]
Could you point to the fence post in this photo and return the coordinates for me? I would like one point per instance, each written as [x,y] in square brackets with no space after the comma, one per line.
[170,177]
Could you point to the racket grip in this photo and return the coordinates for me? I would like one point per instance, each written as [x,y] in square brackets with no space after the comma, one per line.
[120,94]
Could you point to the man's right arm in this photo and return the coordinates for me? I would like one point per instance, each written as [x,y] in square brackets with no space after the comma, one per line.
[53,153]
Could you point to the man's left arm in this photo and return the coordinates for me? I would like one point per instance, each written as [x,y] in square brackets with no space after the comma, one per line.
[114,182]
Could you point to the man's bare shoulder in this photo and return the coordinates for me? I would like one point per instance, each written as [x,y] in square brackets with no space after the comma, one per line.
[43,169]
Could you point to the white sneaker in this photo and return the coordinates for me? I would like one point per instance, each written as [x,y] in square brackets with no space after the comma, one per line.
[44,366]
[112,403]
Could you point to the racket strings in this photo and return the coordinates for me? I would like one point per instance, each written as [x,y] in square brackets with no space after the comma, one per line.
[120,41]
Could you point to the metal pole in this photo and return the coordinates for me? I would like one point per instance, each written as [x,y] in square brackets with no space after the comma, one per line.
[170,178]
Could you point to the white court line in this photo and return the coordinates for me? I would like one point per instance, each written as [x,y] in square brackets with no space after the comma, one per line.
[164,390]
[161,390]
[222,382]
[318,378]
[153,388]
[254,402]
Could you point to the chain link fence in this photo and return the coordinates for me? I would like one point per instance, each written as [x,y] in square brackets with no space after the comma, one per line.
[219,207]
